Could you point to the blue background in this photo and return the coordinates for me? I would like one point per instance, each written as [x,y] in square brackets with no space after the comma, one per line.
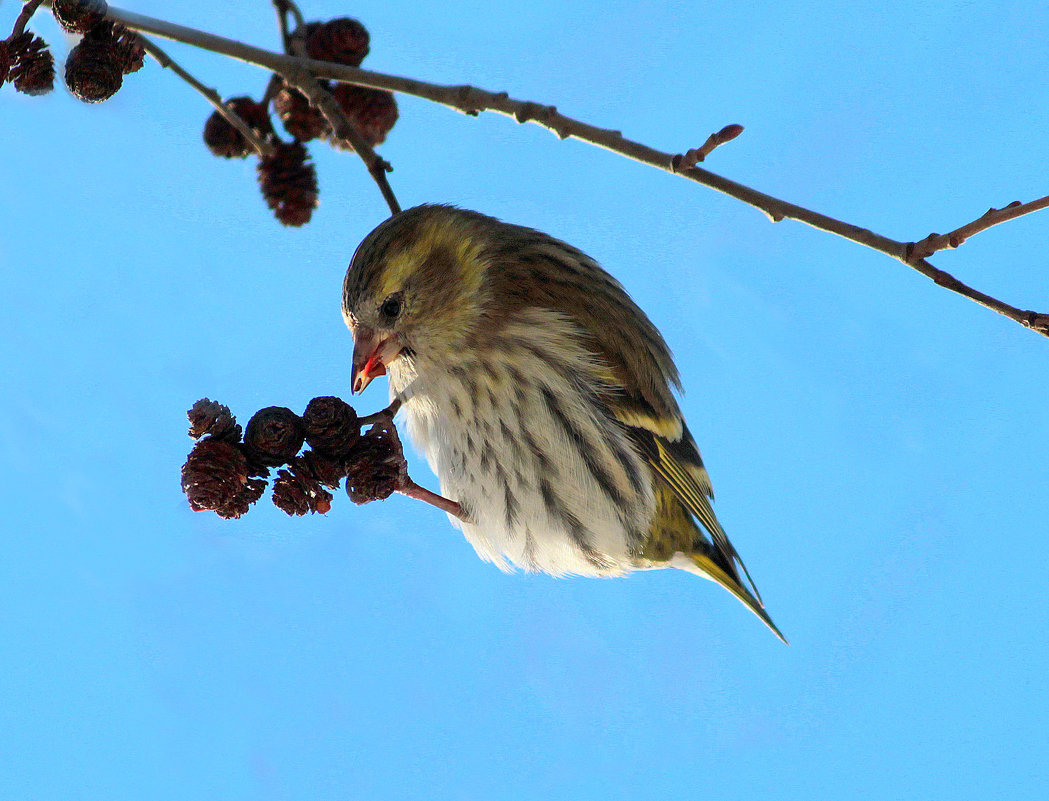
[878,445]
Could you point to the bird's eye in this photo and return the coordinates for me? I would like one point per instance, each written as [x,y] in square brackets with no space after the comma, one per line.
[391,307]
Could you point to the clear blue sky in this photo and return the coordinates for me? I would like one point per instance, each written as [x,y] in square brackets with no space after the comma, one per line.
[878,445]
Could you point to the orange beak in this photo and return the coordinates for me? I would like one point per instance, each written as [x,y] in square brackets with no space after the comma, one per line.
[372,352]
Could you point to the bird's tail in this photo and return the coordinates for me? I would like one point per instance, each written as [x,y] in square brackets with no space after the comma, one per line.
[703,565]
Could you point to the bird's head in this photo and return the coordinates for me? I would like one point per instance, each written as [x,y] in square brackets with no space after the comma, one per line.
[414,288]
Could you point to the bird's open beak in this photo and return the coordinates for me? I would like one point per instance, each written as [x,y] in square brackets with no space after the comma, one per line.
[372,352]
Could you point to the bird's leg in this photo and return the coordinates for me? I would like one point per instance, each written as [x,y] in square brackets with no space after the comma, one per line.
[405,484]
[413,490]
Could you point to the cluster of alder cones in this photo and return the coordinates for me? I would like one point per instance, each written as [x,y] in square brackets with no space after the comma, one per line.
[95,67]
[287,178]
[226,473]
[107,51]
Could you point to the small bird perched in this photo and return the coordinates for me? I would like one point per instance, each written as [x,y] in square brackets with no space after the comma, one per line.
[541,396]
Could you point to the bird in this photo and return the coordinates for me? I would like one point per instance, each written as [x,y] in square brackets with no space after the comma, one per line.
[542,397]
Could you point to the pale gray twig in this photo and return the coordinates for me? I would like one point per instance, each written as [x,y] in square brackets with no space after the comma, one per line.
[24,16]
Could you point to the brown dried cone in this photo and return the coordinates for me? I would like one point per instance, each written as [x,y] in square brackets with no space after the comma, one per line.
[33,67]
[331,426]
[344,41]
[5,60]
[297,490]
[327,471]
[215,477]
[300,119]
[376,468]
[289,183]
[226,141]
[79,16]
[132,53]
[373,112]
[94,68]
[273,436]
[211,417]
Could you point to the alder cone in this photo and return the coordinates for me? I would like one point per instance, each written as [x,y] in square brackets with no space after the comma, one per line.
[373,112]
[94,69]
[5,60]
[211,417]
[375,467]
[79,16]
[273,436]
[215,477]
[297,490]
[32,65]
[226,141]
[344,41]
[289,183]
[132,53]
[331,426]
[300,119]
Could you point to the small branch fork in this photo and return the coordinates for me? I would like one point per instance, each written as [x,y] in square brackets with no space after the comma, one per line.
[934,242]
[323,101]
[343,129]
[916,253]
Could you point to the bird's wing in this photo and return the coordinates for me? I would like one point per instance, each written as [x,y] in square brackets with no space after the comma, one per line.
[636,366]
[682,498]
[640,369]
[680,466]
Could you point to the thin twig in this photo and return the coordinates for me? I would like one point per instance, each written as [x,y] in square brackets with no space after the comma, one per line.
[934,242]
[1036,321]
[261,145]
[283,8]
[288,7]
[24,16]
[470,100]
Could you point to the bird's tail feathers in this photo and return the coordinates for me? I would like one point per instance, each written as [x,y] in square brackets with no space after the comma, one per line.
[703,565]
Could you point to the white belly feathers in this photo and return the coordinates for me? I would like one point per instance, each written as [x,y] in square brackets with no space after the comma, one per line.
[549,481]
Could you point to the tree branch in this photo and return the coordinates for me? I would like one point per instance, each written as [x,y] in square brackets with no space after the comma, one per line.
[471,100]
[283,8]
